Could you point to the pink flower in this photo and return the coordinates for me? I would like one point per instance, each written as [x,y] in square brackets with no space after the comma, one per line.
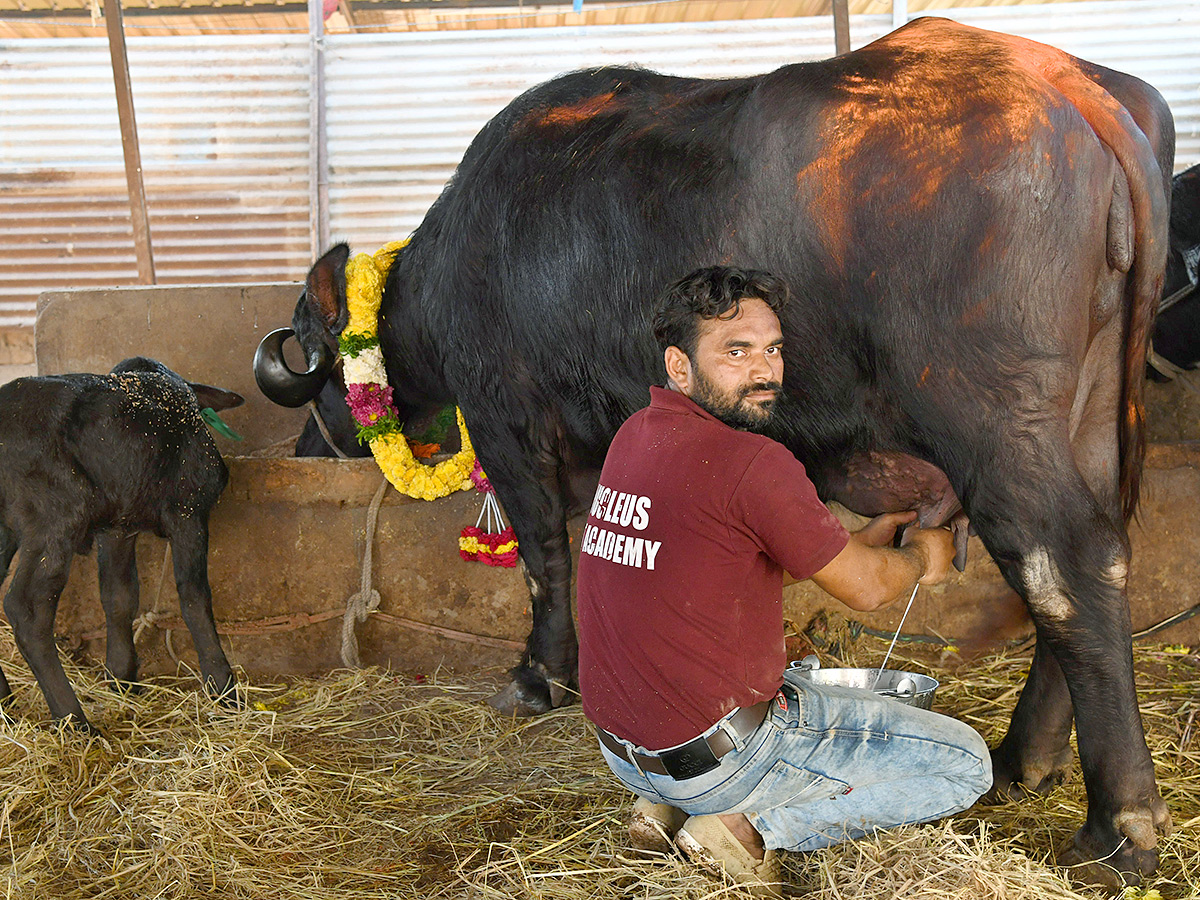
[369,402]
[477,478]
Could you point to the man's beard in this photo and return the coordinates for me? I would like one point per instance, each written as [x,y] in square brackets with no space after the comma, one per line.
[734,409]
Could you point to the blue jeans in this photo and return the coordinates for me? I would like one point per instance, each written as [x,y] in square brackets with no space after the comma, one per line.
[828,764]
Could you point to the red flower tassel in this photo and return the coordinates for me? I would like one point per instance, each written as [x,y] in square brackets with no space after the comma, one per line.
[488,547]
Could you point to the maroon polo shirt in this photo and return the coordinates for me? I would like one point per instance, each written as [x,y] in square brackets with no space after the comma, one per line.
[681,571]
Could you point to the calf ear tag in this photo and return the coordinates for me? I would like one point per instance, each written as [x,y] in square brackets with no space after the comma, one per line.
[209,415]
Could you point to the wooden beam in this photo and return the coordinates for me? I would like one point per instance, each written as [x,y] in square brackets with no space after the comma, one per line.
[129,142]
[841,27]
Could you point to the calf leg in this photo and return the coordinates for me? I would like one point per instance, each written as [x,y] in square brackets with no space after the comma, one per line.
[116,560]
[30,604]
[8,547]
[189,549]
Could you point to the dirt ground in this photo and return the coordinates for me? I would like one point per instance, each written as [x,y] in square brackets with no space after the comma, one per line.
[1173,412]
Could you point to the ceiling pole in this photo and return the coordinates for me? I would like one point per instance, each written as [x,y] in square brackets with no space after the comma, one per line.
[318,156]
[114,24]
[841,27]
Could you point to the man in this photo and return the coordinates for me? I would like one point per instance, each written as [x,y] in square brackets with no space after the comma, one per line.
[693,528]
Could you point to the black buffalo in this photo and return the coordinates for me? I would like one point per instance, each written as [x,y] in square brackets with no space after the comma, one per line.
[1177,329]
[104,457]
[974,227]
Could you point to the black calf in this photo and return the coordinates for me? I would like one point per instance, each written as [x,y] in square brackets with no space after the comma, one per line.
[107,456]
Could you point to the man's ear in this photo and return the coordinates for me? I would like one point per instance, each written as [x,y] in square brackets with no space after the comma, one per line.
[679,369]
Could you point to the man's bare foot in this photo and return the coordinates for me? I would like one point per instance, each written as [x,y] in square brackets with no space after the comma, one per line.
[746,834]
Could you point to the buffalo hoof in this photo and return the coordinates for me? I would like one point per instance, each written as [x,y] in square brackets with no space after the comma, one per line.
[1013,781]
[518,700]
[1122,855]
[122,686]
[79,725]
[532,691]
[226,695]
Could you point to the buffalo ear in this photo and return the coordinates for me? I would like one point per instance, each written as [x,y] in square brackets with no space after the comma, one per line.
[325,288]
[214,397]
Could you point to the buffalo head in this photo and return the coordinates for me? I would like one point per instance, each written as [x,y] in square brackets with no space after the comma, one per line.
[320,315]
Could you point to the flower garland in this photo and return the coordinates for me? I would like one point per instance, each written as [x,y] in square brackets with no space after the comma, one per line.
[491,547]
[369,397]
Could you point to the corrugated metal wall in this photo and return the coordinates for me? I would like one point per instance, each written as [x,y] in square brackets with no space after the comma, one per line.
[404,107]
[224,127]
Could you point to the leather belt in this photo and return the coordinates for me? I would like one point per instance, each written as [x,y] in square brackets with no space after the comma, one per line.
[696,756]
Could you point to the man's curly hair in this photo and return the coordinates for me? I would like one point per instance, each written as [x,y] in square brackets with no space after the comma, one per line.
[715,292]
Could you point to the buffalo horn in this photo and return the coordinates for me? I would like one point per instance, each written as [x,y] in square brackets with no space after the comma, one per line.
[278,382]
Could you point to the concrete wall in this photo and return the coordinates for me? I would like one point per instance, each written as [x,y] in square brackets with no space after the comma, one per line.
[287,535]
[205,333]
[287,542]
[16,346]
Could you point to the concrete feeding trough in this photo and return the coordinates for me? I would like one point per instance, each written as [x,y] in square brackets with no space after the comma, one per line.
[287,536]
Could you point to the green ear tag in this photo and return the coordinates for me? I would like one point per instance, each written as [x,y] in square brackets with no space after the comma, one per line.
[209,415]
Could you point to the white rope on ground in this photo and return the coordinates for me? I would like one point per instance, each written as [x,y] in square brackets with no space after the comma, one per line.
[360,605]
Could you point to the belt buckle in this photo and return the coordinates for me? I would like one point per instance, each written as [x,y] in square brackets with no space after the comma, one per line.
[689,761]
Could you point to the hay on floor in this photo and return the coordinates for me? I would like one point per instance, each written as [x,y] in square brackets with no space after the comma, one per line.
[370,784]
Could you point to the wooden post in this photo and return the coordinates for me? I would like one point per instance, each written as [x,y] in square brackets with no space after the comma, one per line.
[841,27]
[114,23]
[318,157]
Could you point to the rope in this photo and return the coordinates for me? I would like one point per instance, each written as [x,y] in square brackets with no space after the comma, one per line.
[361,604]
[153,616]
[1181,294]
[1172,372]
[857,628]
[295,621]
[320,420]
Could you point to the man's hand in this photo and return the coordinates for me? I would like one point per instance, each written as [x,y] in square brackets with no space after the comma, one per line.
[881,530]
[869,574]
[936,546]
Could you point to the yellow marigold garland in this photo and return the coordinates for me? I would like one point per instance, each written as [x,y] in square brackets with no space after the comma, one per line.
[370,397]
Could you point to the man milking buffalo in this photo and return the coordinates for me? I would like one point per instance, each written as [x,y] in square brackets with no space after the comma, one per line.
[696,524]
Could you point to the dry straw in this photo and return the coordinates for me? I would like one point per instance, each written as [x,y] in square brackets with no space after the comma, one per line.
[367,784]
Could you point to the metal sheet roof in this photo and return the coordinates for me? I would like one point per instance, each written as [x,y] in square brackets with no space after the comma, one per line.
[64,18]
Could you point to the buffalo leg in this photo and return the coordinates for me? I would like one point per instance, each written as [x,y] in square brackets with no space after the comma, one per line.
[531,484]
[1036,753]
[189,550]
[116,560]
[1068,559]
[30,604]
